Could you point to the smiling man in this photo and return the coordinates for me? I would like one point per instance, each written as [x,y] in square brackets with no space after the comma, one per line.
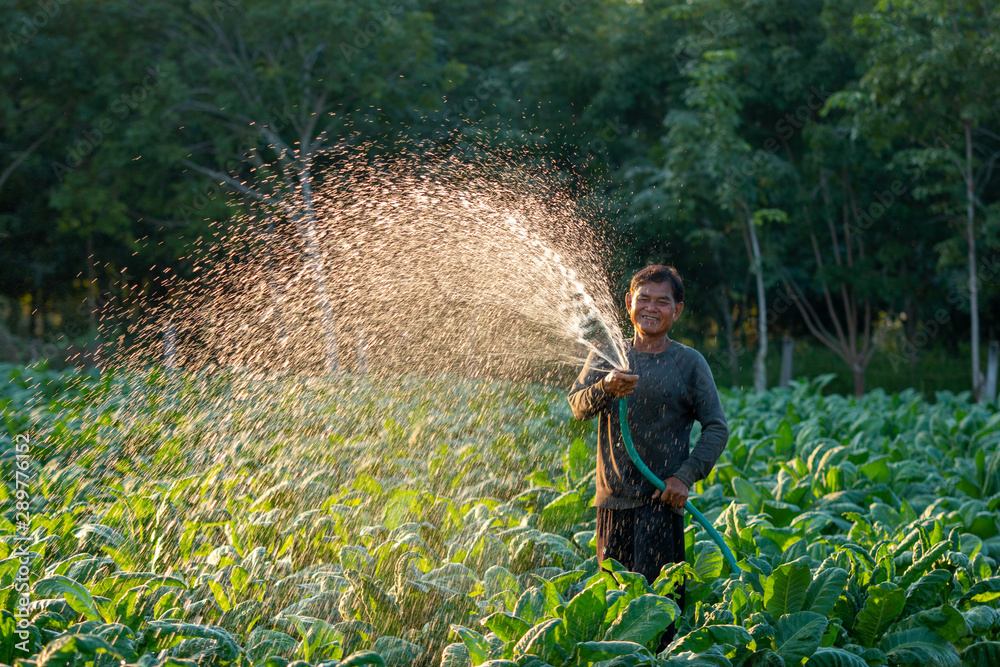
[669,386]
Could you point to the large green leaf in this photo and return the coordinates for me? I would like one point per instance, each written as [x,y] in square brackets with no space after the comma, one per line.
[133,607]
[76,595]
[553,598]
[362,659]
[764,657]
[564,581]
[584,614]
[981,620]
[160,634]
[926,589]
[592,652]
[645,618]
[96,534]
[64,650]
[713,657]
[824,589]
[507,627]
[925,563]
[320,640]
[262,643]
[615,603]
[919,648]
[986,590]
[565,510]
[453,576]
[885,602]
[708,560]
[781,513]
[784,440]
[945,620]
[703,638]
[531,605]
[876,469]
[353,557]
[578,461]
[455,655]
[323,606]
[116,584]
[981,654]
[797,636]
[120,637]
[499,581]
[375,605]
[397,652]
[747,493]
[478,647]
[356,633]
[785,590]
[835,657]
[539,641]
[671,576]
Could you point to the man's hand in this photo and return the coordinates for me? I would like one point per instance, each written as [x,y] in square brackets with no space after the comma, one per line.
[619,384]
[675,494]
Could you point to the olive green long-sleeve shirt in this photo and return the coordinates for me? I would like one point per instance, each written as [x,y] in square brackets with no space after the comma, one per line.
[675,388]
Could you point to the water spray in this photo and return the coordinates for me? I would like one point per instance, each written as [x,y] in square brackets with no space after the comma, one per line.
[431,232]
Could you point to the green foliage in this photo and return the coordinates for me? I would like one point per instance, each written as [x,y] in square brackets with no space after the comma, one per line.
[919,647]
[292,553]
[691,119]
[885,602]
[786,588]
[798,635]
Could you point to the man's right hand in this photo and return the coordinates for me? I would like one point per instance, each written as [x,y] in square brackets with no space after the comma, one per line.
[619,384]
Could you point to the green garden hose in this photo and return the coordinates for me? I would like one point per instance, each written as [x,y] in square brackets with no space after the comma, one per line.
[658,483]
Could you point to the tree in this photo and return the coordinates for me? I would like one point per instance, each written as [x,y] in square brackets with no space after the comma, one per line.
[709,169]
[930,83]
[91,178]
[279,85]
[851,338]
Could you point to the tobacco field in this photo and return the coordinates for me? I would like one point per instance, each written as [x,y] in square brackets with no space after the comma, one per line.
[182,520]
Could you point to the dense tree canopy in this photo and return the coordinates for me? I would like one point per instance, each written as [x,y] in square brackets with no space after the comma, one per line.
[814,167]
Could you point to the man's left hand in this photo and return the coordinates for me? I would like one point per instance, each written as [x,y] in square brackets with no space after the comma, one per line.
[675,494]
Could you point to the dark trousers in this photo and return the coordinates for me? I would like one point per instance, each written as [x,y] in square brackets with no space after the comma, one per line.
[643,539]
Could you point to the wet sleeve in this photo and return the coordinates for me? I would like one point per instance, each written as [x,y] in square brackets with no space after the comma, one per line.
[714,428]
[587,398]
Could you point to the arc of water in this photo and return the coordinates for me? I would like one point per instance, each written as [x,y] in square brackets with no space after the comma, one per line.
[587,322]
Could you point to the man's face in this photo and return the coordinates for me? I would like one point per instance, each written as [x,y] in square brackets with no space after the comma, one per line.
[652,308]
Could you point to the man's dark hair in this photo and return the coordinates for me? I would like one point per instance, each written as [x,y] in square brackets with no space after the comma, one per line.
[658,273]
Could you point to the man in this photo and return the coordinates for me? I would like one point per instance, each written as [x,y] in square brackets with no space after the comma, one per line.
[667,387]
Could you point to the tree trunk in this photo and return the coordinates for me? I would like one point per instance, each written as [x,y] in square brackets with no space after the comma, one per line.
[12,167]
[759,364]
[315,255]
[787,354]
[970,211]
[38,320]
[732,352]
[91,285]
[361,350]
[859,378]
[852,320]
[992,361]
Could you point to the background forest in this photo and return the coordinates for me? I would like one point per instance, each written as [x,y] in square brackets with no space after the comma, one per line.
[816,170]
